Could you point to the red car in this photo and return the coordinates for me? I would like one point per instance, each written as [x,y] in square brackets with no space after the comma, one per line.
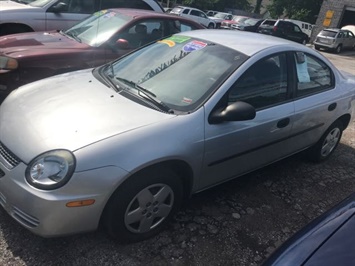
[102,37]
[227,24]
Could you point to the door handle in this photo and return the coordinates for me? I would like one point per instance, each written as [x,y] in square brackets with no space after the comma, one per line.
[283,122]
[332,106]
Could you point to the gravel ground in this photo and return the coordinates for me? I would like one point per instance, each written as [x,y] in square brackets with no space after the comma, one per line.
[238,223]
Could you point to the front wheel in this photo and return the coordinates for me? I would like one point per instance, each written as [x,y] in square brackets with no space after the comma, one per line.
[142,205]
[210,26]
[327,143]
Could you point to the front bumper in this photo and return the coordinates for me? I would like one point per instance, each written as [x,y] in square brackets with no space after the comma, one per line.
[45,212]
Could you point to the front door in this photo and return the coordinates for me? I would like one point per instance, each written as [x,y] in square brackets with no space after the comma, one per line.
[235,148]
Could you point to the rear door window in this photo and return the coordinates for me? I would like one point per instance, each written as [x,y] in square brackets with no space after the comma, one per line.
[313,75]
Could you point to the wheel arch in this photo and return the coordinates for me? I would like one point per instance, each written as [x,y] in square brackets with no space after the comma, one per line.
[179,167]
[16,26]
[345,120]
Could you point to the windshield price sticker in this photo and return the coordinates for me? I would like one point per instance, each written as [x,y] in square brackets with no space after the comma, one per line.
[194,46]
[179,39]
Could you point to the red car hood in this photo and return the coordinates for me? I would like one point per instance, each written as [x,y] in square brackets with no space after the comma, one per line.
[37,43]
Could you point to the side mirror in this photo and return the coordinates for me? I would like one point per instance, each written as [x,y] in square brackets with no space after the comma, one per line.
[237,111]
[59,7]
[122,44]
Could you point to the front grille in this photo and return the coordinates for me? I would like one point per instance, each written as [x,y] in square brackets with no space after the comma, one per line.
[8,156]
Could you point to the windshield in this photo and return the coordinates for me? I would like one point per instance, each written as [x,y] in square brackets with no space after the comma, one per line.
[328,33]
[220,15]
[179,71]
[250,22]
[98,28]
[26,2]
[239,19]
[40,3]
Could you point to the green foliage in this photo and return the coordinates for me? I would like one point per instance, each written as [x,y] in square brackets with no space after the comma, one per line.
[305,10]
[200,4]
[218,4]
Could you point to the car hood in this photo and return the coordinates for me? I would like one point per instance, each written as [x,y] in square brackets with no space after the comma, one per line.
[68,111]
[338,249]
[216,19]
[37,43]
[11,5]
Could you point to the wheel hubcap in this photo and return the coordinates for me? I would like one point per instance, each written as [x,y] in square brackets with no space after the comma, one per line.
[330,142]
[149,208]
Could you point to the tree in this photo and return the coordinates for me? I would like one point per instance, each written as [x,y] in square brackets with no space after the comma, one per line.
[200,4]
[257,6]
[218,4]
[304,10]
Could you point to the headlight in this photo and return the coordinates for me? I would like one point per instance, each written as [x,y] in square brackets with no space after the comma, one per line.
[8,63]
[51,170]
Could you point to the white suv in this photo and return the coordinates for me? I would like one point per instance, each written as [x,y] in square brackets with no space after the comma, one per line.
[43,15]
[194,14]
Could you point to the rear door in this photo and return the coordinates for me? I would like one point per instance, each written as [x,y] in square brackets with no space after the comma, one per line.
[316,100]
[295,33]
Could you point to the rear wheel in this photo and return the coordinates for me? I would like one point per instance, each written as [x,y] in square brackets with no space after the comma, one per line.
[143,204]
[327,143]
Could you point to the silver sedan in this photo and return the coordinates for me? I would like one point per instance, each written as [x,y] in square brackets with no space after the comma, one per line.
[121,146]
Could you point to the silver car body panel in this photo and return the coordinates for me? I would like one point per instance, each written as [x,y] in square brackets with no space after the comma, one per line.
[39,19]
[113,137]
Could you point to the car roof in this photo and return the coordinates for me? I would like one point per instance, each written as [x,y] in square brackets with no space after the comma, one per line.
[248,43]
[188,7]
[142,13]
[135,13]
[333,29]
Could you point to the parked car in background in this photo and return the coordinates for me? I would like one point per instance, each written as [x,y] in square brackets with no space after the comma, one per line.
[227,24]
[304,26]
[350,28]
[251,24]
[42,15]
[328,240]
[194,14]
[267,26]
[211,13]
[335,40]
[103,37]
[219,17]
[109,146]
[286,30]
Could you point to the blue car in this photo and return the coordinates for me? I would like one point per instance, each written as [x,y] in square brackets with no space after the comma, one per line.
[327,241]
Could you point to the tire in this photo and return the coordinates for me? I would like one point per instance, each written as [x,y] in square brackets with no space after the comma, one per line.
[327,144]
[210,26]
[317,47]
[142,205]
[338,49]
